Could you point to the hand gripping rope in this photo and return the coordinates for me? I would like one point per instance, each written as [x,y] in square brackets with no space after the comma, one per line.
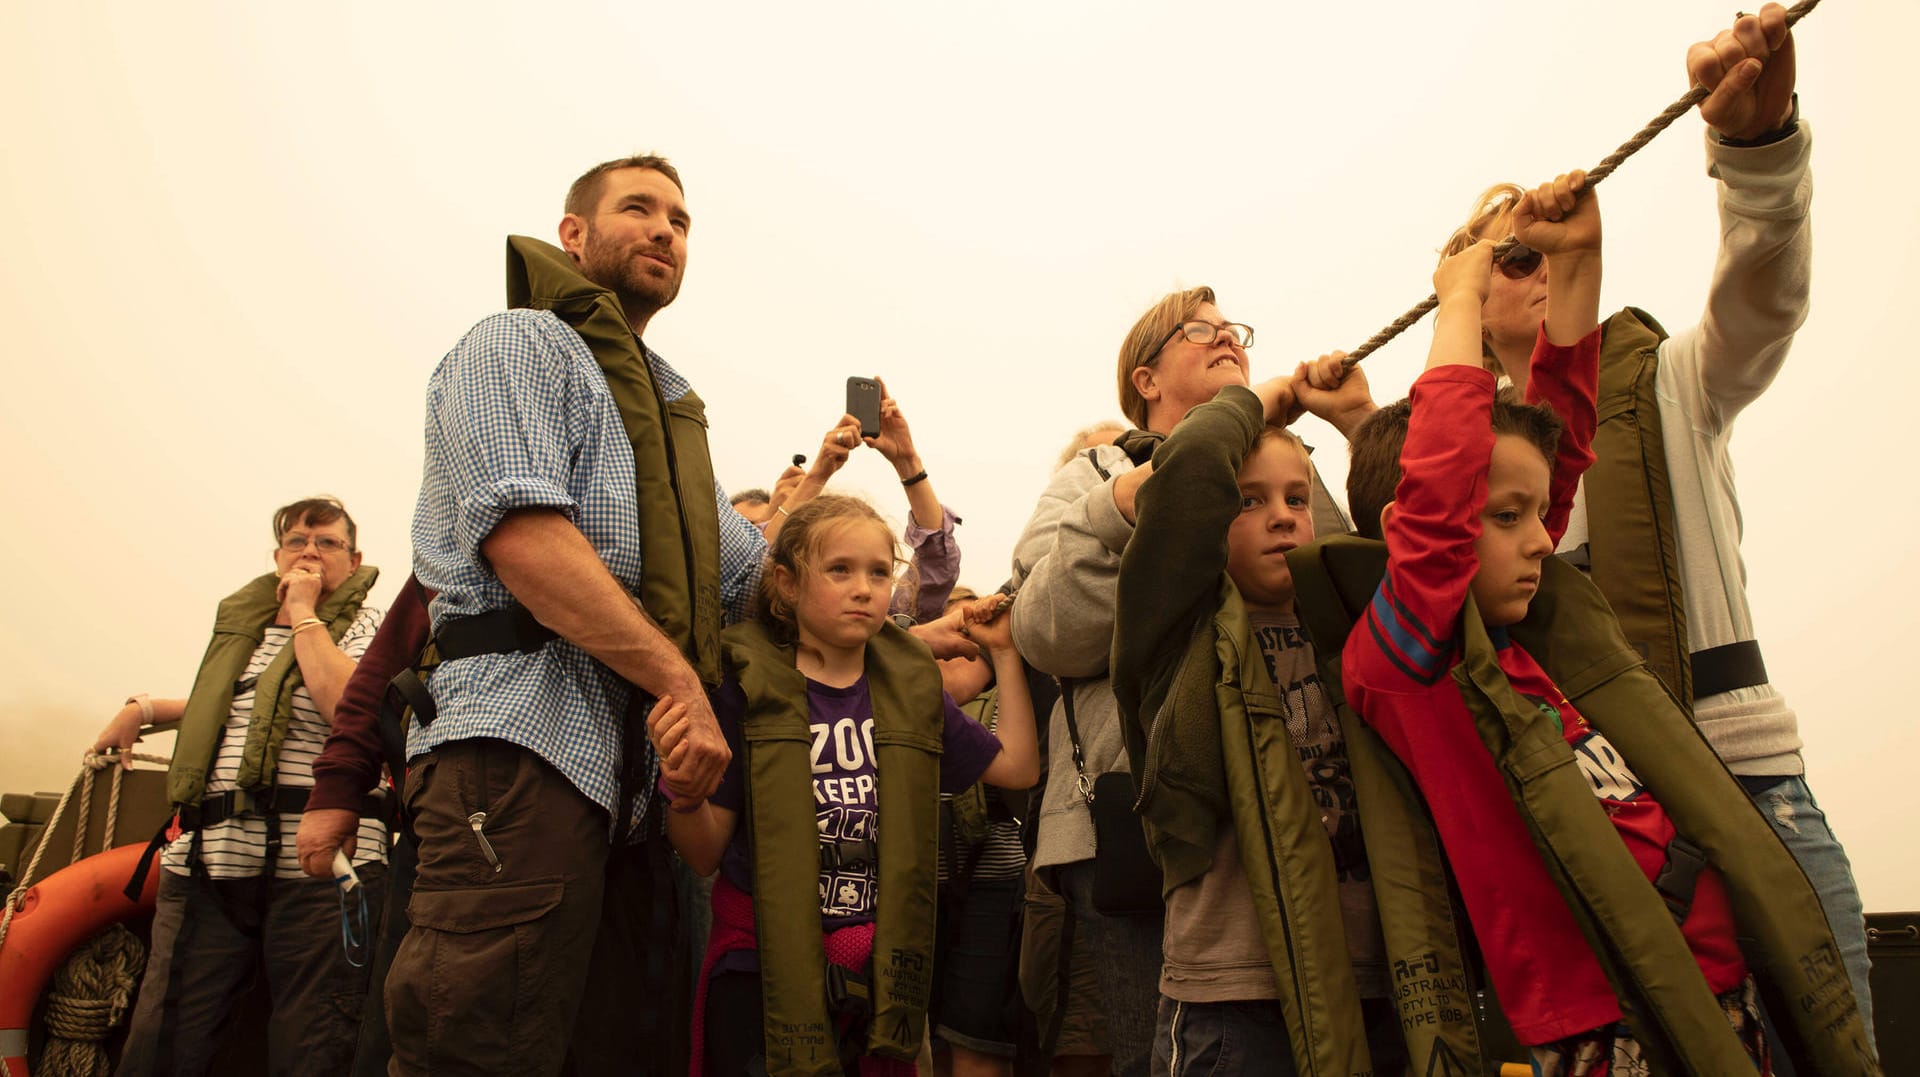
[1594,175]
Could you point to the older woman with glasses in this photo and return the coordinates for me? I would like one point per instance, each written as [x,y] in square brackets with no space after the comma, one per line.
[232,897]
[1179,354]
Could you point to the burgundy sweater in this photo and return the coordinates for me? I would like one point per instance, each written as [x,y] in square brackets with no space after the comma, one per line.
[350,763]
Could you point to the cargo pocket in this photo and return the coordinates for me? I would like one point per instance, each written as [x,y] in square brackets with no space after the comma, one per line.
[485,981]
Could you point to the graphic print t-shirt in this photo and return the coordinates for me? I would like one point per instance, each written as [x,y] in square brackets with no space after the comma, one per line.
[1314,729]
[845,789]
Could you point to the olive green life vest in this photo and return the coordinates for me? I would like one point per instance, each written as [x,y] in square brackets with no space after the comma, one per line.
[969,811]
[1290,869]
[679,521]
[1572,634]
[908,725]
[239,625]
[1633,544]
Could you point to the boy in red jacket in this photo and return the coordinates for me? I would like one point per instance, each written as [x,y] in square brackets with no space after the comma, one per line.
[1472,490]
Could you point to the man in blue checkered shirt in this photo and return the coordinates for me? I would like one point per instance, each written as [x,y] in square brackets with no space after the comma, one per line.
[529,497]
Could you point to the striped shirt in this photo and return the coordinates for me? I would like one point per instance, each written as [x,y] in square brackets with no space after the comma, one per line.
[236,848]
[520,416]
[1000,855]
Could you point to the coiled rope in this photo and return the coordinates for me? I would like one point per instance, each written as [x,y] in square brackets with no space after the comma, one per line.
[1594,175]
[92,990]
[90,996]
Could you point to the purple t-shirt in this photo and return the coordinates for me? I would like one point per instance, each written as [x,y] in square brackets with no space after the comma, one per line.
[845,797]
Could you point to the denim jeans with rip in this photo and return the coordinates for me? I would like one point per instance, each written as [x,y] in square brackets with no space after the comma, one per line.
[1789,806]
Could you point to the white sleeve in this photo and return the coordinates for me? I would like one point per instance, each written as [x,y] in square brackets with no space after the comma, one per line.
[1758,297]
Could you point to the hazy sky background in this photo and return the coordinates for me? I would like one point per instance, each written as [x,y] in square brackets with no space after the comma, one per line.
[241,235]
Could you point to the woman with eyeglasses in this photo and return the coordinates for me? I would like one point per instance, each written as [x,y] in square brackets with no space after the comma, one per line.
[232,897]
[1686,398]
[1177,356]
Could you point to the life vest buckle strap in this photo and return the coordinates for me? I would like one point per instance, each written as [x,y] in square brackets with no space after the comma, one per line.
[844,853]
[849,992]
[273,800]
[1679,876]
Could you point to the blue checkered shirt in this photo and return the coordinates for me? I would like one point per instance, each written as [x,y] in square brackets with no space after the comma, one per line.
[519,416]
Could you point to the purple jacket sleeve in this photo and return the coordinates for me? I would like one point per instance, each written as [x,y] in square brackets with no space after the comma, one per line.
[936,562]
[350,763]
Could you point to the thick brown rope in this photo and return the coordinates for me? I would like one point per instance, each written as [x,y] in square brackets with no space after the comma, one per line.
[1594,175]
[89,997]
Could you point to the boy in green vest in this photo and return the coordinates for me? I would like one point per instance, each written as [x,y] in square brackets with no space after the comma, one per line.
[1275,959]
[1476,491]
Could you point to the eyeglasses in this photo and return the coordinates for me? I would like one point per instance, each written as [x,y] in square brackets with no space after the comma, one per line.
[1515,260]
[295,542]
[1240,336]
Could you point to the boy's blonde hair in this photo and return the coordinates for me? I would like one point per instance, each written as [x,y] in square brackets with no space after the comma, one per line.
[1281,433]
[1145,339]
[796,547]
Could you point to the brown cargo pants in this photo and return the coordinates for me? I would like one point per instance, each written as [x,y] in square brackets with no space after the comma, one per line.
[504,913]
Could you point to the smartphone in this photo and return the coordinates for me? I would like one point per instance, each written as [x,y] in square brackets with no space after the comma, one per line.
[863,403]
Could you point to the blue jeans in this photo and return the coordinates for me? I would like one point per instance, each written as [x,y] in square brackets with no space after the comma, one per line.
[1789,805]
[1128,951]
[1220,1039]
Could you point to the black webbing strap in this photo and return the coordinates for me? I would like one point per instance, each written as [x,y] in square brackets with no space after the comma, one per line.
[405,690]
[505,631]
[840,853]
[278,800]
[1081,781]
[634,747]
[1679,875]
[139,881]
[1725,668]
[850,998]
[219,807]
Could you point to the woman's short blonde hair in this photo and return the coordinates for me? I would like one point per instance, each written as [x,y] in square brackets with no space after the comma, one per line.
[1492,218]
[1145,339]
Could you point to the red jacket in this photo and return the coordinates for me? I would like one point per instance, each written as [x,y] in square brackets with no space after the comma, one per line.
[1395,669]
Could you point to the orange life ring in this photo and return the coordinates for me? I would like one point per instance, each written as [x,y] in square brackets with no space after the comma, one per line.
[57,914]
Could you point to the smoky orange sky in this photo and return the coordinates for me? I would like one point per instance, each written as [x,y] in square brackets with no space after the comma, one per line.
[241,235]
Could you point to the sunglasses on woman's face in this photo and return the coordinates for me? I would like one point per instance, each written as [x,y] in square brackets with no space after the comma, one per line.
[1515,260]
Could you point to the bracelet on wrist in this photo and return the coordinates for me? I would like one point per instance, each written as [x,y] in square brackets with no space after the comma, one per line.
[915,480]
[145,703]
[306,623]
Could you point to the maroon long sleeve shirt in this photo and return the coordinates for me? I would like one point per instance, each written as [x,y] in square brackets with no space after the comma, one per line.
[350,763]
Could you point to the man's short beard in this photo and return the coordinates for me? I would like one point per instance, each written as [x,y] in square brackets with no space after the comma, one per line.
[636,288]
